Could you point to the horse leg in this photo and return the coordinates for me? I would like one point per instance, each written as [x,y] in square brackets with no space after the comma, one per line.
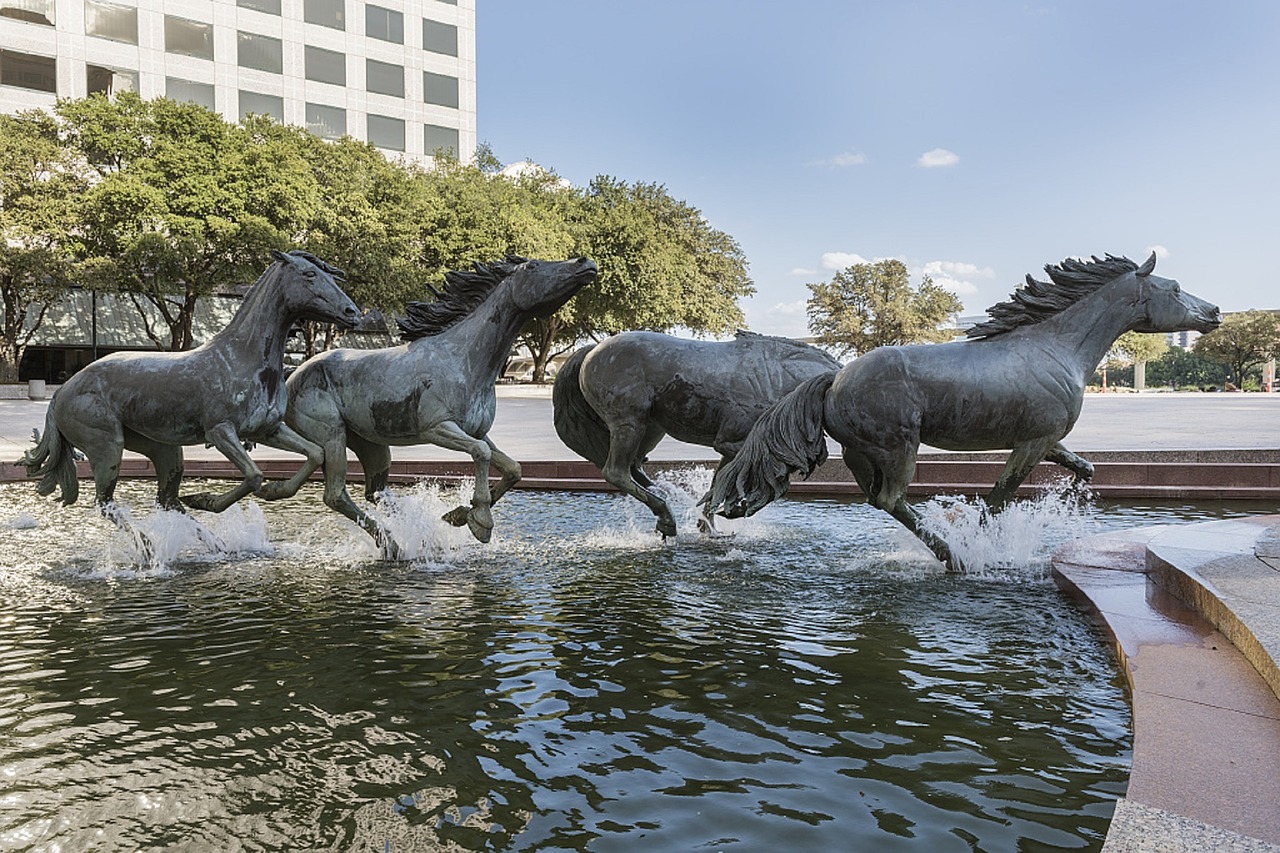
[167,460]
[1079,466]
[452,437]
[224,437]
[286,438]
[511,473]
[885,486]
[1022,461]
[707,521]
[624,446]
[375,461]
[105,463]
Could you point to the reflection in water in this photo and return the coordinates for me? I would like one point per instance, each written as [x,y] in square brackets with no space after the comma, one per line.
[813,682]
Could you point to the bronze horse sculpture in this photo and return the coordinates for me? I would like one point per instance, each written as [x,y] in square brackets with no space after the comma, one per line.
[1017,385]
[437,388]
[224,393]
[614,401]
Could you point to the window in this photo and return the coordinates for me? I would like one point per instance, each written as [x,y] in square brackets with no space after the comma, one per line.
[189,38]
[450,2]
[176,89]
[109,21]
[257,103]
[271,7]
[31,11]
[439,38]
[386,132]
[28,72]
[435,138]
[326,13]
[326,122]
[384,24]
[261,52]
[440,89]
[325,66]
[108,81]
[384,78]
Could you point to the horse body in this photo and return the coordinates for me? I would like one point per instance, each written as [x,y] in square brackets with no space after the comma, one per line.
[436,389]
[614,401]
[222,393]
[1018,387]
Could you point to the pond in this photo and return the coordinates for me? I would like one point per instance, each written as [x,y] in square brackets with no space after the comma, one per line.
[812,682]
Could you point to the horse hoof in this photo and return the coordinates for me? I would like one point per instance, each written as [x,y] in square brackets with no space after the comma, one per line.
[272,491]
[458,516]
[480,523]
[667,529]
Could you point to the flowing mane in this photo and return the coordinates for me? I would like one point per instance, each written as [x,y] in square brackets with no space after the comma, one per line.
[1069,282]
[464,292]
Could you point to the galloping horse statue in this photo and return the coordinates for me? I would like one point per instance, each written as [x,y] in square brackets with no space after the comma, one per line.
[438,388]
[224,393]
[614,401]
[1017,385]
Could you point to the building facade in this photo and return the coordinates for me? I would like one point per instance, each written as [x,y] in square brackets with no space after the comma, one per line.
[399,73]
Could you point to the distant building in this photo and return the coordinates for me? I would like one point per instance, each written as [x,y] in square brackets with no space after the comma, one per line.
[401,76]
[1182,340]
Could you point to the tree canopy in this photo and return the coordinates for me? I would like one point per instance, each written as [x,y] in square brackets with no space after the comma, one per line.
[1243,341]
[865,306]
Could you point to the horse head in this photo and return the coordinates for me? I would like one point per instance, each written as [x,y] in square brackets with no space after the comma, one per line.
[310,289]
[1168,308]
[540,288]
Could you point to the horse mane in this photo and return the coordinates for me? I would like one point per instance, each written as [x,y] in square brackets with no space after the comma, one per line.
[1069,282]
[464,292]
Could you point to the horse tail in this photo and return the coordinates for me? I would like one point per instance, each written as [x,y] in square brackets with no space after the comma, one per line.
[579,427]
[53,460]
[790,436]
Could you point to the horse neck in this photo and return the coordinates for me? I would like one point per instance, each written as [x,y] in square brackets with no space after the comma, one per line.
[1087,329]
[486,336]
[262,323]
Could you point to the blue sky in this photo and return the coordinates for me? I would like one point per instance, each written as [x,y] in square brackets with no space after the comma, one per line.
[975,141]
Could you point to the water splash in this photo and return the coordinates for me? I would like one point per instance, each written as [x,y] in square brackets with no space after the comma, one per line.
[1019,539]
[414,519]
[158,540]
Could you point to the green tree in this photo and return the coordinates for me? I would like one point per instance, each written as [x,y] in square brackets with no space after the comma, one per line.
[1135,349]
[37,186]
[865,306]
[1245,340]
[662,265]
[181,202]
[1180,368]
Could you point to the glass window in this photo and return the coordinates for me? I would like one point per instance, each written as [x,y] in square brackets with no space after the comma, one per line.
[435,138]
[108,81]
[325,66]
[109,21]
[261,52]
[326,122]
[271,7]
[28,71]
[450,2]
[176,89]
[386,132]
[190,38]
[326,13]
[385,24]
[440,89]
[439,38]
[260,104]
[31,11]
[384,78]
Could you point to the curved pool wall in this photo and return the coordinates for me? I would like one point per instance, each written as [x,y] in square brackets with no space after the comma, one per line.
[1193,612]
[813,682]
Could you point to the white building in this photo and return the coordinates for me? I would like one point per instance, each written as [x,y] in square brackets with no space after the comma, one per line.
[400,73]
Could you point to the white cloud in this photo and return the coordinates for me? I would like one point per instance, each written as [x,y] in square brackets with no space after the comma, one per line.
[802,271]
[843,160]
[956,270]
[956,286]
[938,158]
[1161,251]
[789,319]
[840,260]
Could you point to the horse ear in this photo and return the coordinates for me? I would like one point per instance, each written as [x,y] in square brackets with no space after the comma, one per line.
[280,256]
[1148,266]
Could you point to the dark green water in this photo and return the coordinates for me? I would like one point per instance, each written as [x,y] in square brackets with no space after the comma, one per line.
[810,684]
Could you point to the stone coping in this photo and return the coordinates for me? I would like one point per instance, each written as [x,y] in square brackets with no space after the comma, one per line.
[1193,613]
